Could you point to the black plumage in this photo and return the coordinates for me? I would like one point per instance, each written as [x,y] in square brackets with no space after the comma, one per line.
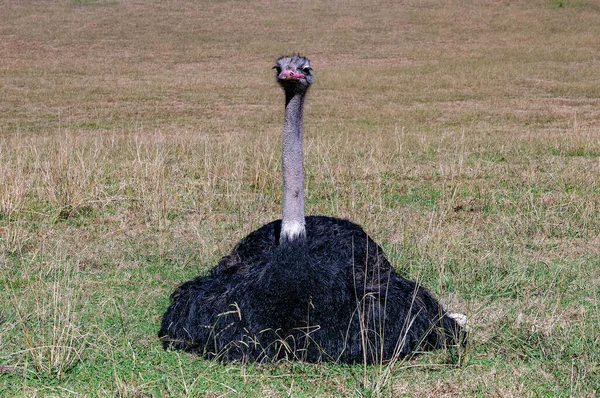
[333,297]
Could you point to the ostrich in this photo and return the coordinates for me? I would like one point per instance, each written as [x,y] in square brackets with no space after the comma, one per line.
[310,288]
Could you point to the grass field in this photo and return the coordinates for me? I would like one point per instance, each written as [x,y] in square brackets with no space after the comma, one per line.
[140,140]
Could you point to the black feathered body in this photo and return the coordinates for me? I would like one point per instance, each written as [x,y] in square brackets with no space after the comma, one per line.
[332,296]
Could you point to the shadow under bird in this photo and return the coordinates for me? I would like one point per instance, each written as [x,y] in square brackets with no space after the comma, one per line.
[310,288]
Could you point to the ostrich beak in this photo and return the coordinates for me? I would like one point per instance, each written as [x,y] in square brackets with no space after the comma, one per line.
[287,74]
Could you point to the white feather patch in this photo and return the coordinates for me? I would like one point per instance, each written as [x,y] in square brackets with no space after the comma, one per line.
[292,230]
[459,318]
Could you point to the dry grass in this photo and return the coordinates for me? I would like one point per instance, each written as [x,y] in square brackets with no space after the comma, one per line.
[140,140]
[47,323]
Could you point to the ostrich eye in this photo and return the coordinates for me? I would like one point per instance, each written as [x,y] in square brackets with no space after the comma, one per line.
[306,70]
[278,68]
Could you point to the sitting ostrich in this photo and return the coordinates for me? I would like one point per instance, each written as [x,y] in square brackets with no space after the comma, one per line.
[305,288]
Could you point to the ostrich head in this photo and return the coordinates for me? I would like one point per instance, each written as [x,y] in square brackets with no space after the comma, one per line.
[294,74]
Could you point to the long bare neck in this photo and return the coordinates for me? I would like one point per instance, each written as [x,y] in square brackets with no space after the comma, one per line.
[292,226]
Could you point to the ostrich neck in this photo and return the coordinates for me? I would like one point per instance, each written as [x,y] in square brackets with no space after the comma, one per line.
[292,225]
